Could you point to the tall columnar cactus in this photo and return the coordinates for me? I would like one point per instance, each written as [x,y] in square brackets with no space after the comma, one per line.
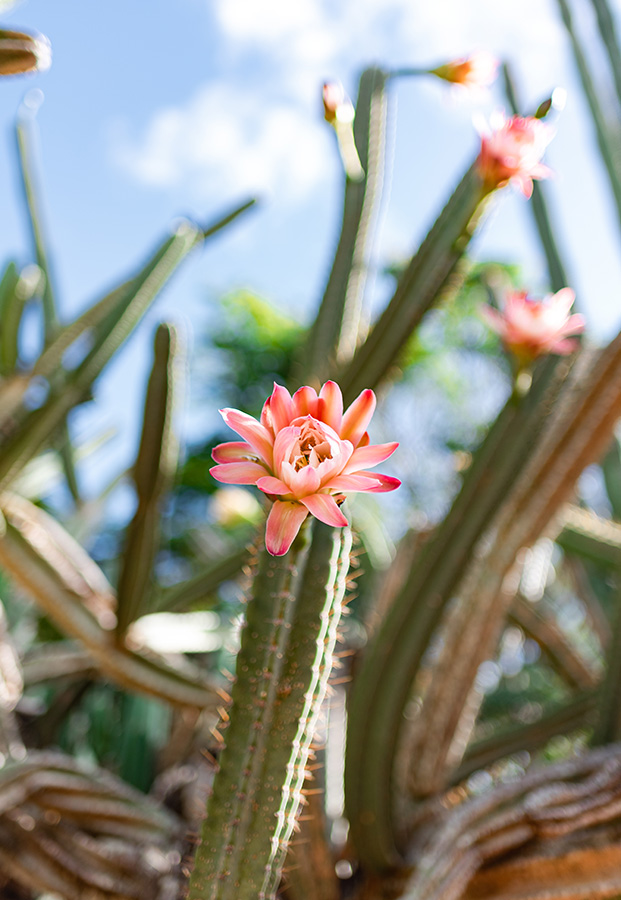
[305,453]
[282,671]
[338,326]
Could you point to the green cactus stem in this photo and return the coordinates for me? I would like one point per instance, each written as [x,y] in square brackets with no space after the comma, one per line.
[557,273]
[426,276]
[608,32]
[282,672]
[383,684]
[153,473]
[336,330]
[605,139]
[579,428]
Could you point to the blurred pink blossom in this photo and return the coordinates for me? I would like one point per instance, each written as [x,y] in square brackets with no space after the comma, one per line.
[475,71]
[530,328]
[337,106]
[512,151]
[305,454]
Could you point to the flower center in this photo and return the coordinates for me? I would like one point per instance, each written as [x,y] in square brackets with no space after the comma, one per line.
[311,448]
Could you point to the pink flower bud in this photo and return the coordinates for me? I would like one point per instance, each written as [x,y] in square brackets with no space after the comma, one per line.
[512,153]
[531,328]
[336,104]
[305,454]
[475,71]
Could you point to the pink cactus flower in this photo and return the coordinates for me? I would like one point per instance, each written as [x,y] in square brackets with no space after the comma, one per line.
[475,71]
[337,106]
[530,328]
[512,152]
[305,454]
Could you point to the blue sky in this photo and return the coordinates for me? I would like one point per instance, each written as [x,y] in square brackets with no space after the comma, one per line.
[157,110]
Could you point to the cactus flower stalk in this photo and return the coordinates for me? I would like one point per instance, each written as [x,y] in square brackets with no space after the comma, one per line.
[530,328]
[305,454]
[511,152]
[338,111]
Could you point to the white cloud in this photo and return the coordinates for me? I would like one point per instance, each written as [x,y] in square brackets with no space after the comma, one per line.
[380,29]
[267,22]
[225,141]
[260,129]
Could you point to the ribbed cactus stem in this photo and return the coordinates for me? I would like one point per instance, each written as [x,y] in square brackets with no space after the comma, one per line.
[427,275]
[282,672]
[337,328]
[605,138]
[384,679]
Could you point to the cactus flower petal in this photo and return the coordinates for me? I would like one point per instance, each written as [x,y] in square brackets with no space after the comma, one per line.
[233,451]
[384,483]
[281,407]
[304,454]
[324,508]
[305,401]
[330,406]
[369,456]
[270,485]
[254,432]
[238,473]
[283,523]
[564,347]
[358,416]
[351,483]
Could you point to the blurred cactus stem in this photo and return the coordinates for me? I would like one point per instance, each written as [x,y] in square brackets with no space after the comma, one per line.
[340,324]
[21,52]
[557,271]
[605,135]
[283,668]
[418,288]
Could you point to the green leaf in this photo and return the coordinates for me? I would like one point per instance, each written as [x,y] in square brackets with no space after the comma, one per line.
[611,467]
